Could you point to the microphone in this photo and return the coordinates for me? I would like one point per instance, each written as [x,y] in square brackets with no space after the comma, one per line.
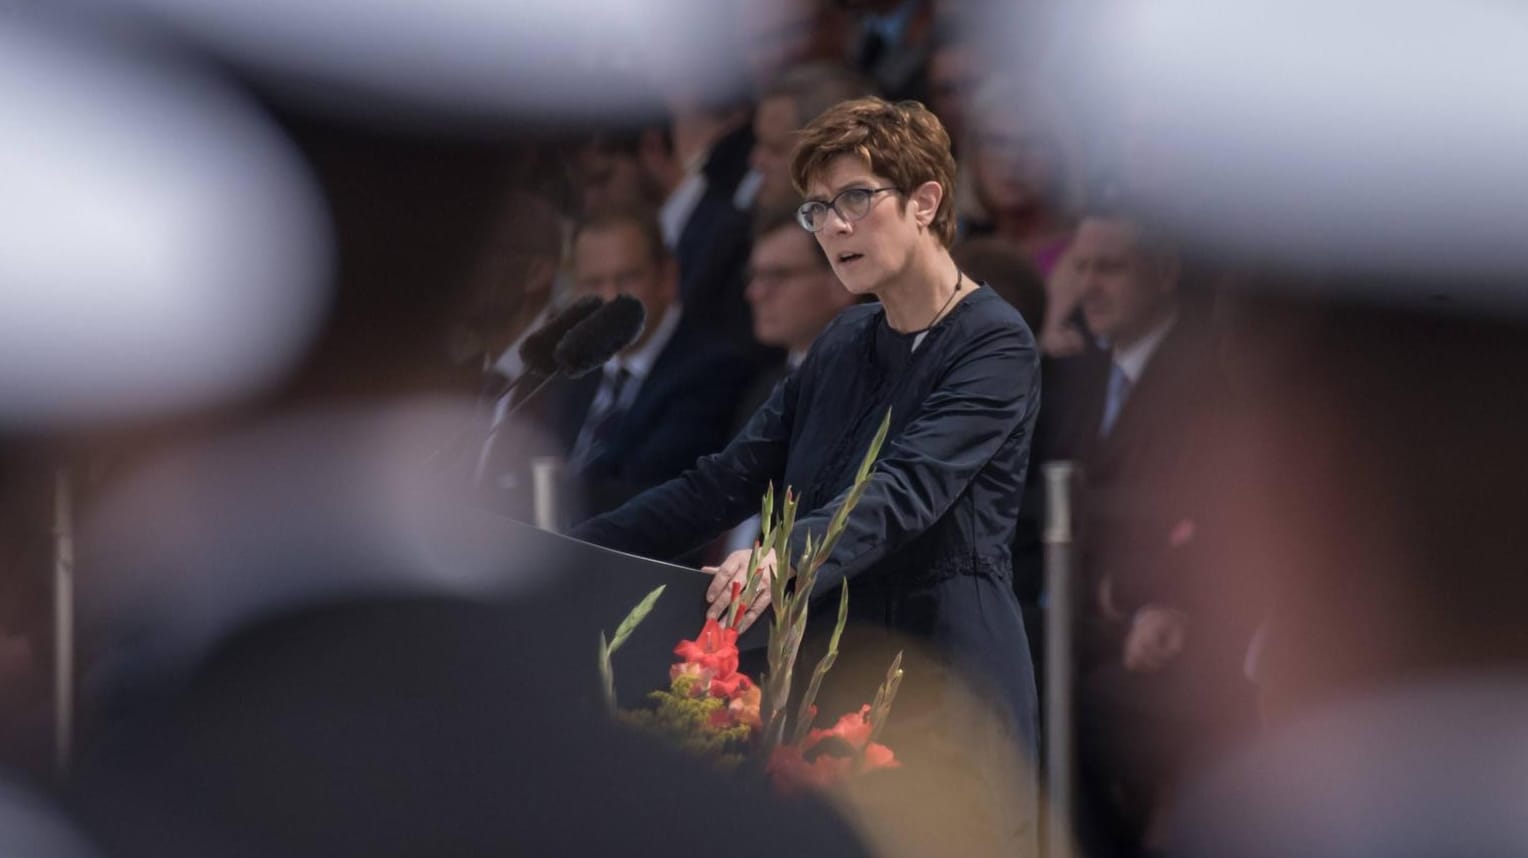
[601,336]
[538,352]
[593,341]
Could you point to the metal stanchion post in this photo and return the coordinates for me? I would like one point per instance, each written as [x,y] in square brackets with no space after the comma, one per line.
[63,620]
[1060,751]
[546,476]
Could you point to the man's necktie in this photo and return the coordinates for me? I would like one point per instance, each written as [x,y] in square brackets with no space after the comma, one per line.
[1119,391]
[601,424]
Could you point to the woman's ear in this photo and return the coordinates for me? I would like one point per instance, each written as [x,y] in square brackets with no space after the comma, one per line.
[926,199]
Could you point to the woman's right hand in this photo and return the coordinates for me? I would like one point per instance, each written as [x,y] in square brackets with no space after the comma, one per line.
[735,568]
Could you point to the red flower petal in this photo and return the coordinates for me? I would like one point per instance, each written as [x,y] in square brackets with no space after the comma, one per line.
[878,756]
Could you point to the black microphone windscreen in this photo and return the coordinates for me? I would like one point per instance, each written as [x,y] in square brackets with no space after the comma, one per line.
[538,354]
[601,336]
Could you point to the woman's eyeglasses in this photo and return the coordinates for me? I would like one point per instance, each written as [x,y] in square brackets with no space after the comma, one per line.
[851,205]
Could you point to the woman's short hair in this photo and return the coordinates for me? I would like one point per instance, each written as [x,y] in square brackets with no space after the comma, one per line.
[905,142]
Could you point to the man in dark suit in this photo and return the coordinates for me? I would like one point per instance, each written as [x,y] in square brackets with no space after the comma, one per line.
[688,169]
[1160,686]
[711,250]
[665,401]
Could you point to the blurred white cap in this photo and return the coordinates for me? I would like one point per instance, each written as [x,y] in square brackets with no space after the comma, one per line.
[439,61]
[1360,136]
[161,245]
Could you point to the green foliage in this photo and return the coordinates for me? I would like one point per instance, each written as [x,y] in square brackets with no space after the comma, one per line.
[792,590]
[809,699]
[881,708]
[622,632]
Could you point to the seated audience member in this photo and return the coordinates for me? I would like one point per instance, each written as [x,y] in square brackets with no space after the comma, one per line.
[666,400]
[1008,271]
[785,106]
[793,293]
[1160,679]
[706,231]
[688,169]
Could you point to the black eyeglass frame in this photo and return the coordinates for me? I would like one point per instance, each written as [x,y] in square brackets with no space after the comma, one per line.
[804,213]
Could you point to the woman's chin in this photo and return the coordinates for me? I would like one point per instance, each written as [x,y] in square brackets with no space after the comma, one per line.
[856,282]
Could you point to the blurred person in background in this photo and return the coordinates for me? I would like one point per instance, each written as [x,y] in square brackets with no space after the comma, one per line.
[794,294]
[799,95]
[1025,168]
[1389,476]
[511,290]
[710,134]
[688,169]
[889,42]
[665,401]
[509,295]
[955,71]
[785,33]
[1008,271]
[622,169]
[1160,685]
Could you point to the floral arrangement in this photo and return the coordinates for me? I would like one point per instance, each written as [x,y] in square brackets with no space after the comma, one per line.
[712,708]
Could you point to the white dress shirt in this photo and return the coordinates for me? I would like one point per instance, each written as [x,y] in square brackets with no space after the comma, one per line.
[1133,358]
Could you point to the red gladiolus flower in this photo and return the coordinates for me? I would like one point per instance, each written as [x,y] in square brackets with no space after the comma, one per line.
[878,756]
[714,649]
[826,757]
[853,729]
[730,686]
[714,653]
[791,771]
[744,708]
